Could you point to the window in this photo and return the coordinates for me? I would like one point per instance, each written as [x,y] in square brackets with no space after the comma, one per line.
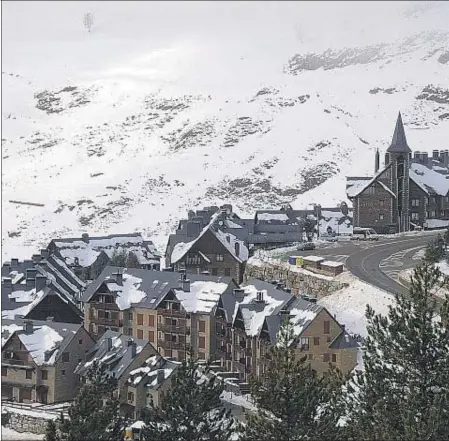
[159,319]
[140,319]
[327,325]
[310,356]
[415,216]
[433,200]
[326,358]
[65,357]
[130,332]
[201,355]
[316,341]
[381,203]
[193,259]
[227,272]
[202,343]
[219,257]
[329,339]
[44,375]
[151,336]
[381,217]
[140,334]
[28,375]
[214,271]
[415,202]
[334,358]
[431,214]
[427,200]
[446,199]
[4,371]
[130,396]
[168,352]
[202,326]
[130,316]
[151,320]
[63,372]
[80,341]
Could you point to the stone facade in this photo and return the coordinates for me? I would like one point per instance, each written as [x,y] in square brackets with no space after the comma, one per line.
[30,422]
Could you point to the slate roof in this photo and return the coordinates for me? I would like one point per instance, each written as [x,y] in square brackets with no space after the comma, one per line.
[51,337]
[154,284]
[399,141]
[153,373]
[430,180]
[116,359]
[344,341]
[86,252]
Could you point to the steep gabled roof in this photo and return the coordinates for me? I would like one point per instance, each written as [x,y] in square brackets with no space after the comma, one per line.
[359,185]
[429,180]
[399,141]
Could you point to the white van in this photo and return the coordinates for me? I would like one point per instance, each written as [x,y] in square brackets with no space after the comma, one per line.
[364,234]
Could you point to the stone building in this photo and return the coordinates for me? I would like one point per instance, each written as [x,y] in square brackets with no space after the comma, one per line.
[409,191]
[39,360]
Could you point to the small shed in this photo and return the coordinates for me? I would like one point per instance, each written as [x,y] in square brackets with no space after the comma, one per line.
[312,262]
[331,267]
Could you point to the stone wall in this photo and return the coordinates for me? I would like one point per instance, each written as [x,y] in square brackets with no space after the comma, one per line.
[32,422]
[300,282]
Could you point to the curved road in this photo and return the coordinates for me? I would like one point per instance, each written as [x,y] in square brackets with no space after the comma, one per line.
[365,264]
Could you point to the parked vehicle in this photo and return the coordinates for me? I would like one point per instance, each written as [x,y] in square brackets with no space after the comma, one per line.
[364,234]
[306,246]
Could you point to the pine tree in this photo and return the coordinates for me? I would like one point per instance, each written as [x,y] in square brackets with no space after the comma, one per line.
[403,392]
[50,431]
[132,261]
[191,410]
[118,258]
[435,250]
[94,415]
[293,402]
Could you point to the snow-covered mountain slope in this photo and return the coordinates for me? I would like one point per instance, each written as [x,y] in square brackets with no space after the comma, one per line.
[120,130]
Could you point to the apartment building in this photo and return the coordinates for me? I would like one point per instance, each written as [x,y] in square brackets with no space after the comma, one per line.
[39,360]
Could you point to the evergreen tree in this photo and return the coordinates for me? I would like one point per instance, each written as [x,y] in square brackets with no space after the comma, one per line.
[50,431]
[403,392]
[191,410]
[118,258]
[95,413]
[132,261]
[435,250]
[293,402]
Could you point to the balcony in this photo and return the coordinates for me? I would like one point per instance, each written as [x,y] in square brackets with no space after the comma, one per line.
[108,306]
[106,321]
[167,344]
[16,362]
[173,329]
[170,312]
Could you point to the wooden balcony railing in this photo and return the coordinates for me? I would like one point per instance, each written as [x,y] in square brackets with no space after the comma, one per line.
[173,329]
[16,362]
[166,344]
[171,312]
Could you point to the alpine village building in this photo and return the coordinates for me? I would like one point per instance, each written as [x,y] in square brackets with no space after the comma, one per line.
[408,192]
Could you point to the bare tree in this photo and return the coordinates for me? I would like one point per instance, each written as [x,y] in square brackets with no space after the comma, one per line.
[88,21]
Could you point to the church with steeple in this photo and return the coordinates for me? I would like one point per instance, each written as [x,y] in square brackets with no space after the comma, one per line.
[410,190]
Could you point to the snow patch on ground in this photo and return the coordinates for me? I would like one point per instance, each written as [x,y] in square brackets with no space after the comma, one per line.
[349,304]
[11,435]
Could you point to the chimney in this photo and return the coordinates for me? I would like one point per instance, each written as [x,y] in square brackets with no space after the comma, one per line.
[376,161]
[344,327]
[185,285]
[36,258]
[133,349]
[118,276]
[160,376]
[284,312]
[109,343]
[129,342]
[7,285]
[28,327]
[259,297]
[31,273]
[85,237]
[237,249]
[436,155]
[228,238]
[47,355]
[50,319]
[387,158]
[40,282]
[45,254]
[446,158]
[425,158]
[14,263]
[417,156]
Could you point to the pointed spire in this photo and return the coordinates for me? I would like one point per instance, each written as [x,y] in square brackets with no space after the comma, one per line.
[399,141]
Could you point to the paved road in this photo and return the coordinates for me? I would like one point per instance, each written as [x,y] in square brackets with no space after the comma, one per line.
[371,263]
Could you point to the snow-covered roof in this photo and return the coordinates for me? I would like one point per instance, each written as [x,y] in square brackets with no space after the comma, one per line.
[430,180]
[203,296]
[254,312]
[22,304]
[355,185]
[114,351]
[331,263]
[153,372]
[230,224]
[302,314]
[227,239]
[268,217]
[85,253]
[45,338]
[337,221]
[127,293]
[313,258]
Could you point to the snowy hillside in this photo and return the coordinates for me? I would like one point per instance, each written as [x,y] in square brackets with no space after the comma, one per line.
[126,128]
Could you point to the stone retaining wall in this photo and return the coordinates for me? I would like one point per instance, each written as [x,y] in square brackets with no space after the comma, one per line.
[22,422]
[300,282]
